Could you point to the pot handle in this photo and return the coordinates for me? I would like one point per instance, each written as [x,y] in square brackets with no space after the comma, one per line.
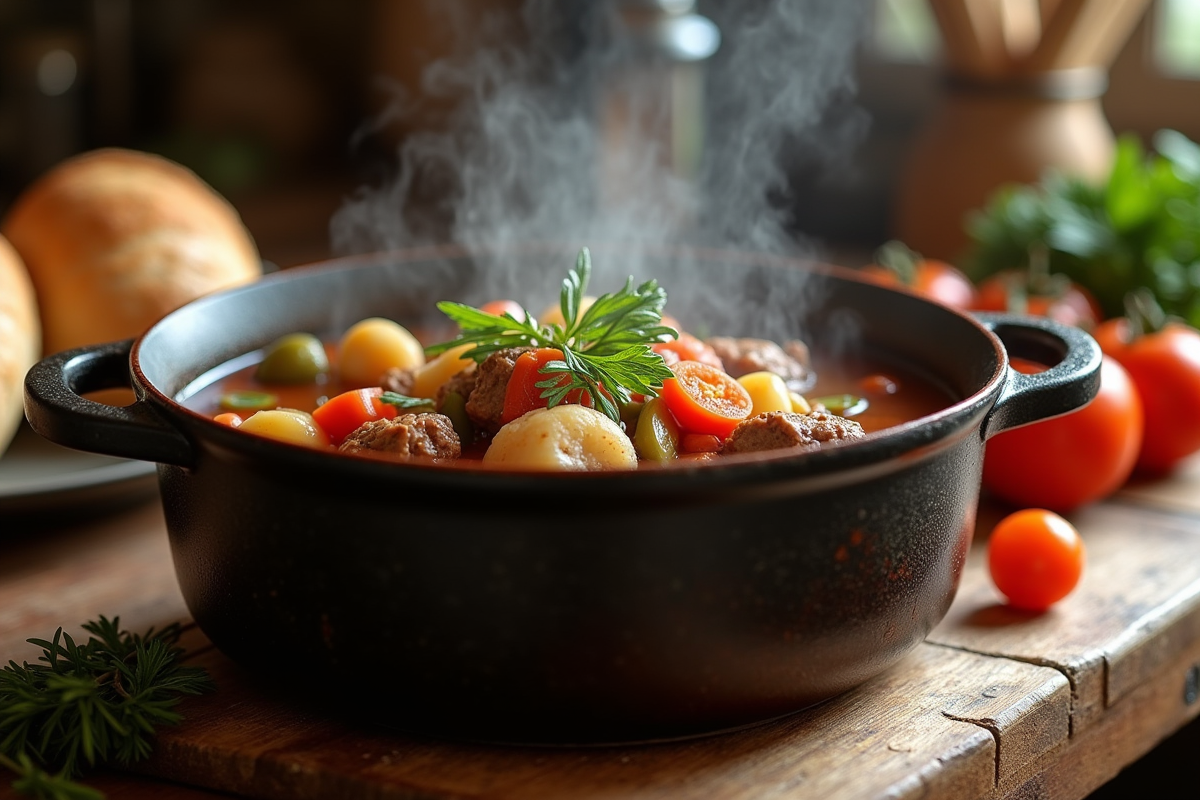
[56,408]
[1070,383]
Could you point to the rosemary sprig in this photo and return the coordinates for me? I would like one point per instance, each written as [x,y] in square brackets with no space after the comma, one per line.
[32,781]
[90,703]
[606,348]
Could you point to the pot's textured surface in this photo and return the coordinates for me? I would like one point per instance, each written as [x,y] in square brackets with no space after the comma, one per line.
[572,615]
[570,607]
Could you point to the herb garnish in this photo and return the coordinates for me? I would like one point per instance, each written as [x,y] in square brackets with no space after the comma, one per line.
[403,401]
[607,345]
[94,703]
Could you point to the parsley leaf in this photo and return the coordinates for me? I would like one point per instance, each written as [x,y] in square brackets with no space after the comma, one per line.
[606,349]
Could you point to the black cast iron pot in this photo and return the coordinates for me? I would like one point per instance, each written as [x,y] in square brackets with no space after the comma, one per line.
[569,607]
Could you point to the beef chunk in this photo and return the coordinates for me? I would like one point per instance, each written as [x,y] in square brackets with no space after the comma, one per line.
[397,380]
[776,430]
[406,437]
[485,405]
[462,383]
[742,356]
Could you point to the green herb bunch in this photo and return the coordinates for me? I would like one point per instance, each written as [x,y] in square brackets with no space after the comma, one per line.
[91,704]
[1139,228]
[606,345]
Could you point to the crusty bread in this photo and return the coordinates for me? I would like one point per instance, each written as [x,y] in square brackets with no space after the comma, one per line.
[20,339]
[114,239]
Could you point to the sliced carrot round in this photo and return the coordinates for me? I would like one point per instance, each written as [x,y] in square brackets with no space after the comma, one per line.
[704,399]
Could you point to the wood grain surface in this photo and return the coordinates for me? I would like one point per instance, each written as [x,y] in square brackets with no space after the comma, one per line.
[997,704]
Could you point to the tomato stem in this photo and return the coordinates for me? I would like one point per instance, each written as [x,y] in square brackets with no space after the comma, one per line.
[900,259]
[1143,313]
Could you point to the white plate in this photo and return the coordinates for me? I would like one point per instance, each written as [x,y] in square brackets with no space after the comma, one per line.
[40,477]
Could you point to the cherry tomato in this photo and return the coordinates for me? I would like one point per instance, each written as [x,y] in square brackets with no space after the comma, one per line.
[1067,461]
[1035,558]
[704,399]
[1165,367]
[1051,296]
[501,307]
[898,266]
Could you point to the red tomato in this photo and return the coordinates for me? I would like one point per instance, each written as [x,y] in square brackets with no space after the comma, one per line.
[899,266]
[1035,558]
[341,415]
[704,399]
[1019,292]
[1165,367]
[936,280]
[1065,462]
[501,307]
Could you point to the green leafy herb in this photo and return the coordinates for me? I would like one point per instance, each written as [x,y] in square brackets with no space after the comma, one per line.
[607,345]
[405,402]
[1140,228]
[90,703]
[33,781]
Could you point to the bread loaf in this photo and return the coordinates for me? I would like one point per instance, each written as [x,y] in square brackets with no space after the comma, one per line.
[20,339]
[114,239]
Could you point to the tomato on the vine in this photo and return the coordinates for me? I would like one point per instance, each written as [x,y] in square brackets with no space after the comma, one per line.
[1064,462]
[1164,365]
[898,266]
[1041,295]
[1035,558]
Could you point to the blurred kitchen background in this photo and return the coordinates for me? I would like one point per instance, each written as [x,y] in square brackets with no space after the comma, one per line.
[281,104]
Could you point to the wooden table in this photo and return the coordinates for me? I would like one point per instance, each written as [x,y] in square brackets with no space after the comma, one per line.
[996,704]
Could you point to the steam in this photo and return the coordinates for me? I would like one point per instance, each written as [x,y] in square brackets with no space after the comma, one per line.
[560,138]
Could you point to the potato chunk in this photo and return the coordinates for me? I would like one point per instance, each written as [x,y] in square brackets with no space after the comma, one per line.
[566,437]
[286,425]
[372,347]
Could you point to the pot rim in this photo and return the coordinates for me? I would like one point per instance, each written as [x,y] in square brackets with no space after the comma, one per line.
[878,452]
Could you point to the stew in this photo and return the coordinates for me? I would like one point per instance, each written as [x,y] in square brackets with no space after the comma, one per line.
[603,382]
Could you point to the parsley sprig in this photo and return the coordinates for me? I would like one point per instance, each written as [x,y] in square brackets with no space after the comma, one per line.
[606,347]
[91,703]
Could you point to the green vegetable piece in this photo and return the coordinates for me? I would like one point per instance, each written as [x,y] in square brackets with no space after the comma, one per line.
[454,406]
[844,405]
[295,358]
[247,400]
[657,435]
[630,413]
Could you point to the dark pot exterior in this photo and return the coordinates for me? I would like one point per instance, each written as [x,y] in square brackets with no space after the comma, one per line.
[567,607]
